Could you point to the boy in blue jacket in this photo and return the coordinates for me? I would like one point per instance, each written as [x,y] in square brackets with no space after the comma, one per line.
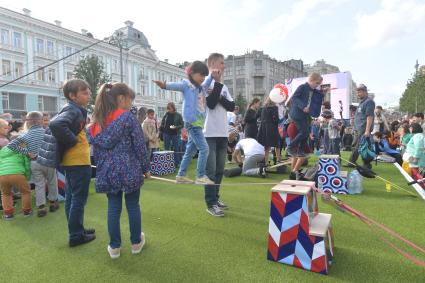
[305,103]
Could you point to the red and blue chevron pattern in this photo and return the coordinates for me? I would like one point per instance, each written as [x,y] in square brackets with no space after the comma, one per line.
[329,178]
[289,241]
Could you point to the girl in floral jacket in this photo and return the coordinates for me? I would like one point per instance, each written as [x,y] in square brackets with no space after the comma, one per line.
[122,161]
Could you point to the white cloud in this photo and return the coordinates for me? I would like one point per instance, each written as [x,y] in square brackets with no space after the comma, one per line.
[281,26]
[394,20]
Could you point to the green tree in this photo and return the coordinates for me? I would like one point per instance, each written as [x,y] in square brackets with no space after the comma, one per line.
[240,101]
[92,70]
[413,98]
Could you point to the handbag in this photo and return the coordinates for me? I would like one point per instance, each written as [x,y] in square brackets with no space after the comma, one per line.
[365,150]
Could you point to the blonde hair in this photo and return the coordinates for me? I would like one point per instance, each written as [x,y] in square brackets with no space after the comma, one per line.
[268,102]
[315,77]
[3,122]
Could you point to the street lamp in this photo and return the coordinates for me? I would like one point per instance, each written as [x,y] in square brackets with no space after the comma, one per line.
[117,39]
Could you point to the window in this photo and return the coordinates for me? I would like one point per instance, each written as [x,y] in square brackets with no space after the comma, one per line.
[5,66]
[40,74]
[17,40]
[114,65]
[69,75]
[143,90]
[68,51]
[50,48]
[13,101]
[240,82]
[40,45]
[240,63]
[19,69]
[52,75]
[47,103]
[228,83]
[5,36]
[258,84]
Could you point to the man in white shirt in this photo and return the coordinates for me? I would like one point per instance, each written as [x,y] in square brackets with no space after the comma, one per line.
[216,134]
[254,155]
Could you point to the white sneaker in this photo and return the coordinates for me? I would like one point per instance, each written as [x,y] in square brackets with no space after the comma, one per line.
[183,180]
[204,180]
[114,253]
[137,248]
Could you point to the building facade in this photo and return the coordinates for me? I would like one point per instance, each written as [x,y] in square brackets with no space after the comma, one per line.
[26,44]
[254,74]
[321,67]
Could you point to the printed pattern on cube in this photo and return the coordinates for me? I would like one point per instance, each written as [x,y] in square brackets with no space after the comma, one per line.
[329,177]
[290,241]
[162,163]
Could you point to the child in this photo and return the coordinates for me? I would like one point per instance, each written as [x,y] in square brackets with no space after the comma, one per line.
[122,160]
[4,133]
[347,139]
[333,132]
[15,165]
[414,154]
[68,128]
[194,91]
[405,137]
[268,134]
[150,129]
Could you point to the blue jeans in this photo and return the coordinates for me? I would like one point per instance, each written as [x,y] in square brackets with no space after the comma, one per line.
[215,168]
[134,217]
[173,140]
[334,146]
[196,141]
[77,182]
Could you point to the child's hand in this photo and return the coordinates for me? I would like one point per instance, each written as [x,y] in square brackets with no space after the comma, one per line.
[161,84]
[32,155]
[147,175]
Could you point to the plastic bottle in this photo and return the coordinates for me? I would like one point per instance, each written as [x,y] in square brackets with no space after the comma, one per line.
[355,181]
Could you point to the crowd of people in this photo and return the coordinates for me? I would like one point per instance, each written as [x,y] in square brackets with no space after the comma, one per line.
[120,143]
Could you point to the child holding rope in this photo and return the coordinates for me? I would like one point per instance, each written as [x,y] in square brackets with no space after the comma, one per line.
[122,161]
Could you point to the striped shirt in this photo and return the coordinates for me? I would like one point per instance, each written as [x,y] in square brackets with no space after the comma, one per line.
[30,142]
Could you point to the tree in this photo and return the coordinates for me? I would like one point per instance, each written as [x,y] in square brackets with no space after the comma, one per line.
[91,69]
[413,98]
[240,101]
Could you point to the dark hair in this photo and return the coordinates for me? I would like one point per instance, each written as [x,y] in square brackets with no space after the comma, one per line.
[197,67]
[74,86]
[150,111]
[326,104]
[416,128]
[405,128]
[171,105]
[107,100]
[213,57]
[379,107]
[419,115]
[394,126]
[254,101]
[378,135]
[141,114]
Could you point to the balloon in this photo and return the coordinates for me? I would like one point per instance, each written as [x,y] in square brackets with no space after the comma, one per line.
[276,96]
[283,89]
[279,93]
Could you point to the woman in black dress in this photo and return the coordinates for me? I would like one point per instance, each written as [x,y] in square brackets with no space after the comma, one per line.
[250,119]
[268,134]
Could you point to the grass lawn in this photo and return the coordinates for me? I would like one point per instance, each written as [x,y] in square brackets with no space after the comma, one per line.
[185,244]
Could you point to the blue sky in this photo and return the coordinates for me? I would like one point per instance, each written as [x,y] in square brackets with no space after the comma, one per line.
[378,41]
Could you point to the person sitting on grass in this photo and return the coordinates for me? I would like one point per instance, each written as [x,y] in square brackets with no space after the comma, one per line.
[122,161]
[414,154]
[254,156]
[382,145]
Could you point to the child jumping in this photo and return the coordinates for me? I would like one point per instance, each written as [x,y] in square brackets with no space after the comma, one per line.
[122,161]
[194,91]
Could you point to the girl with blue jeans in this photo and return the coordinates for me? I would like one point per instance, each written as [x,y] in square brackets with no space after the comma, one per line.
[122,161]
[194,111]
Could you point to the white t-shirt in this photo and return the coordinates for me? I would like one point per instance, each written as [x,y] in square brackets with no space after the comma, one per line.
[216,120]
[250,147]
[231,118]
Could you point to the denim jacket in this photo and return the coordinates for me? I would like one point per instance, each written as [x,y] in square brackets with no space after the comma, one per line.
[191,111]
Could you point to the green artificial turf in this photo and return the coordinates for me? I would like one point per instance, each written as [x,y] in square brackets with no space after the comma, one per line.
[185,244]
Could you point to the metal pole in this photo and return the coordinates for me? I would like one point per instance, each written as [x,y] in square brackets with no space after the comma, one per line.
[121,63]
